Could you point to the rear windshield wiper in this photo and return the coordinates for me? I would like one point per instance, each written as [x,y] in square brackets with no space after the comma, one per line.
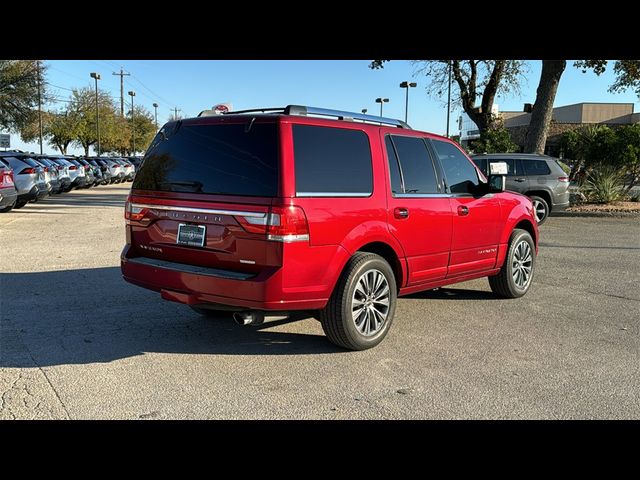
[194,187]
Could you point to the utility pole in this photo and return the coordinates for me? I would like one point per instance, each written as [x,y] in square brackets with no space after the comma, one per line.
[449,97]
[133,120]
[39,104]
[121,74]
[176,110]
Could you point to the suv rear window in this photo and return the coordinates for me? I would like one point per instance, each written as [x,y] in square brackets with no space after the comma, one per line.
[230,159]
[332,161]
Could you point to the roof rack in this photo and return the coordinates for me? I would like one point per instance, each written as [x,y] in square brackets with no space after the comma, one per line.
[322,112]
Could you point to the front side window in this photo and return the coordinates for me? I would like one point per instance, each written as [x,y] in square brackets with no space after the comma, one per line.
[459,172]
[333,161]
[416,166]
[512,166]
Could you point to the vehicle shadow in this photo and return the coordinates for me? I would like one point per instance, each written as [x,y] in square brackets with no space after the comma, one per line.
[93,315]
[82,198]
[454,294]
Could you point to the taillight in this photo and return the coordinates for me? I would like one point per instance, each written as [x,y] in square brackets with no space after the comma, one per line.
[281,224]
[563,179]
[28,171]
[72,167]
[132,212]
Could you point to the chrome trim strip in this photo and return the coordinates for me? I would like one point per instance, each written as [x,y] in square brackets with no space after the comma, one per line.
[289,238]
[332,194]
[423,195]
[200,210]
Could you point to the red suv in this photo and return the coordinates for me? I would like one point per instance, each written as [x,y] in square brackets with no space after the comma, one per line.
[299,208]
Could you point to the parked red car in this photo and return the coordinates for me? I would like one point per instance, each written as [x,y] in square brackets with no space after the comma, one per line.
[276,210]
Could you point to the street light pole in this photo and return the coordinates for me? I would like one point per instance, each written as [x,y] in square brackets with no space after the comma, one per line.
[449,99]
[155,107]
[39,104]
[407,85]
[133,125]
[381,101]
[96,76]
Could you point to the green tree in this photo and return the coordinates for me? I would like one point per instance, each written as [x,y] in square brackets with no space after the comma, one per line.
[626,152]
[19,92]
[494,140]
[472,80]
[83,110]
[144,128]
[627,73]
[58,129]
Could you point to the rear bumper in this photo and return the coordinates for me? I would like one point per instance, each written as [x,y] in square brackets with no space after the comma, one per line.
[195,285]
[79,182]
[43,191]
[30,195]
[8,196]
[558,207]
[560,201]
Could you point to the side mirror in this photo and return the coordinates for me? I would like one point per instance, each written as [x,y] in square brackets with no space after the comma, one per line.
[497,176]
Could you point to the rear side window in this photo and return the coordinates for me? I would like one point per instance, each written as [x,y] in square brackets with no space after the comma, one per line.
[332,161]
[460,173]
[416,166]
[225,159]
[536,167]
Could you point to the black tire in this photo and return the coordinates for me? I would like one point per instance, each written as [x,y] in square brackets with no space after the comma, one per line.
[209,313]
[503,283]
[541,209]
[7,209]
[19,204]
[336,318]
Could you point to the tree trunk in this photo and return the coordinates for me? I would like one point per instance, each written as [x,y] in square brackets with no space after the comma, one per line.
[86,150]
[543,108]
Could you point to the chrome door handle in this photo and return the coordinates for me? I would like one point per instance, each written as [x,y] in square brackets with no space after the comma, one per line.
[401,213]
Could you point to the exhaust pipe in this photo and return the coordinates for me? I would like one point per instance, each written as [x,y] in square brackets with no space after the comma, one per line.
[248,318]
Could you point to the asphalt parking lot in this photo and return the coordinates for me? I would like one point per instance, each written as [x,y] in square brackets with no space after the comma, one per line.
[78,342]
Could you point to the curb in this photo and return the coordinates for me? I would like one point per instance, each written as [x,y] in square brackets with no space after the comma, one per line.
[596,214]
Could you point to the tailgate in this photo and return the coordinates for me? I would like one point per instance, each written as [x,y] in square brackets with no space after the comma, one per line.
[212,233]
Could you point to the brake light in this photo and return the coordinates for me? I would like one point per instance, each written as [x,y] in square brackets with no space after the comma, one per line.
[281,224]
[563,179]
[133,213]
[72,167]
[7,178]
[28,171]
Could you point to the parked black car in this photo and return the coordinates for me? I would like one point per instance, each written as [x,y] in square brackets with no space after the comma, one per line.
[539,177]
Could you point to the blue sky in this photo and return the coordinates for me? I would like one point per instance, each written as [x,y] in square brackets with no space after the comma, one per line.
[193,86]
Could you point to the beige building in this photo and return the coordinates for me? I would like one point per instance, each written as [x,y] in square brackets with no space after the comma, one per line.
[570,117]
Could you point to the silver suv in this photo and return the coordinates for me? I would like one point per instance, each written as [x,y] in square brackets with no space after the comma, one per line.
[539,177]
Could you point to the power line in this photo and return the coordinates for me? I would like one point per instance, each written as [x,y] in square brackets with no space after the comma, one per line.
[151,91]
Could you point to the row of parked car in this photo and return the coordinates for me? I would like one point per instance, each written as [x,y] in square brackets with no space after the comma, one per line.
[27,177]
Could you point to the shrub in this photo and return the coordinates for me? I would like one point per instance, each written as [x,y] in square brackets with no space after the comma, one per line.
[494,140]
[604,184]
